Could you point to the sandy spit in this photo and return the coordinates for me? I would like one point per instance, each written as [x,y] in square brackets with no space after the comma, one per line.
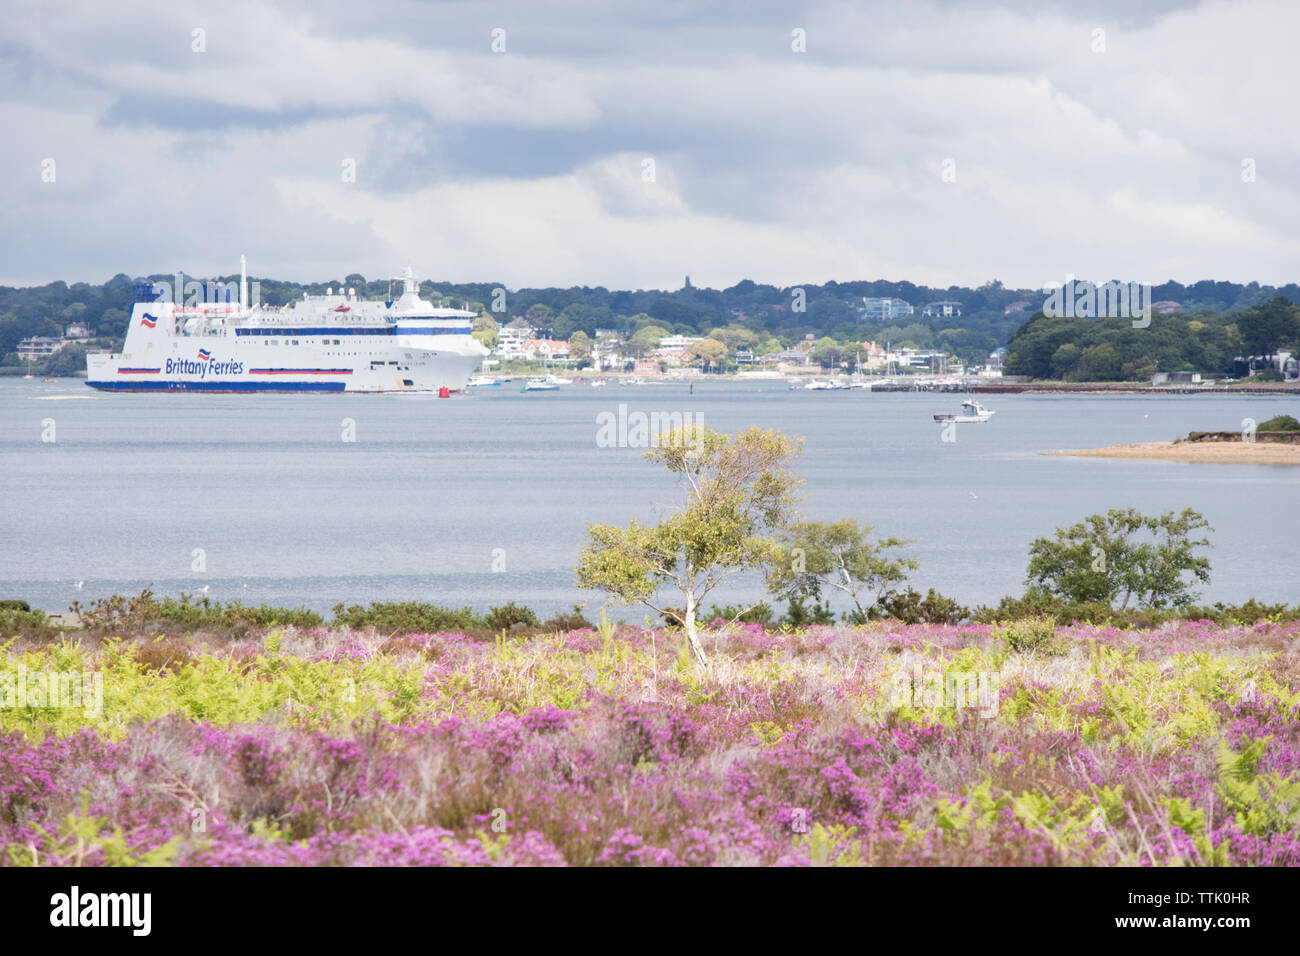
[1222,452]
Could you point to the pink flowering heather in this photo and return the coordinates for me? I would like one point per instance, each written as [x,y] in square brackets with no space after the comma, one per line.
[833,745]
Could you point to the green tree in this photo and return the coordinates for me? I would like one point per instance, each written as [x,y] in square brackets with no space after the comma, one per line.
[646,339]
[579,345]
[709,351]
[112,324]
[1065,360]
[826,352]
[69,360]
[485,331]
[916,335]
[1122,555]
[739,492]
[840,555]
[539,315]
[735,337]
[73,313]
[12,331]
[1102,363]
[1267,326]
[1140,370]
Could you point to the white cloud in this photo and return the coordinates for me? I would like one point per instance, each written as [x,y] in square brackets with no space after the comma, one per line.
[526,168]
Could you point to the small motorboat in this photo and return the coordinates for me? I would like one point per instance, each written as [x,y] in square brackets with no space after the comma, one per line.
[599,383]
[482,381]
[539,385]
[975,412]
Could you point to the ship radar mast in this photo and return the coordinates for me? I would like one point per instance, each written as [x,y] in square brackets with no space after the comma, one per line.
[409,286]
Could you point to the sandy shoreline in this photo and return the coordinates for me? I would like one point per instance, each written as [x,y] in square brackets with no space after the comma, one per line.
[1220,452]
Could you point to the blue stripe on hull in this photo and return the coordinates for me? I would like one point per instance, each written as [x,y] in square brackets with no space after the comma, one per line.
[157,386]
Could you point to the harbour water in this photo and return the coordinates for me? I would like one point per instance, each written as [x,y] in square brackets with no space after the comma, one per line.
[483,498]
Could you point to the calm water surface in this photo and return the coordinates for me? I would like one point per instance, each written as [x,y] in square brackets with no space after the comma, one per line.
[288,513]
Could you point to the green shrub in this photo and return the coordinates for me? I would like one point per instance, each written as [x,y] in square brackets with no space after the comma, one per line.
[1031,635]
[117,613]
[408,617]
[507,616]
[910,607]
[14,605]
[1230,615]
[266,616]
[758,614]
[569,621]
[798,615]
[14,619]
[1036,604]
[1279,423]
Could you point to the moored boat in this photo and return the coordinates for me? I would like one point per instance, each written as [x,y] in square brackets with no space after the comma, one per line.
[975,412]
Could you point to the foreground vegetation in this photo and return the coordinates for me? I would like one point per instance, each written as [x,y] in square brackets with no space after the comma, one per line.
[1099,719]
[825,745]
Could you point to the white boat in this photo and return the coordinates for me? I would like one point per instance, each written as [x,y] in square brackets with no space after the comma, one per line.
[975,413]
[558,380]
[539,385]
[482,381]
[335,342]
[599,383]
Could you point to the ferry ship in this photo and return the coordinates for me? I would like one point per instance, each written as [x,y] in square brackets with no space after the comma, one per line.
[319,343]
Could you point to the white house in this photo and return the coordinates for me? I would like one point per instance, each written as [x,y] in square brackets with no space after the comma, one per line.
[38,347]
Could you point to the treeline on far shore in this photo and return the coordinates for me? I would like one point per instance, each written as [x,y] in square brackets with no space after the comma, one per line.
[117,615]
[1078,349]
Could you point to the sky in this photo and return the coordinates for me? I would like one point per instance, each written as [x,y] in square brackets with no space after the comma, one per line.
[630,145]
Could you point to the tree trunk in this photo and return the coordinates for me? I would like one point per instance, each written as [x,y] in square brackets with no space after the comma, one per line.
[691,636]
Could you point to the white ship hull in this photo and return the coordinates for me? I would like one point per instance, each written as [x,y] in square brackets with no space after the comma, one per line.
[330,343]
[311,369]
